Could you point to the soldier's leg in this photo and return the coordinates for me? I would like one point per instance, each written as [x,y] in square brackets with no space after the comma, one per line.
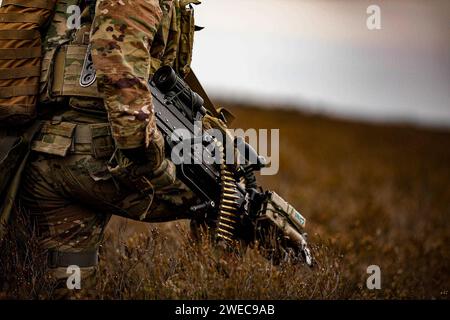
[72,200]
[68,229]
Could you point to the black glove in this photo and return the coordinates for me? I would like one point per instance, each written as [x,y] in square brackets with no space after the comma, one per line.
[150,156]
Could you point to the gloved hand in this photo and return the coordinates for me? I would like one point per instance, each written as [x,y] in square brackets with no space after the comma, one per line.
[143,169]
[150,156]
[154,149]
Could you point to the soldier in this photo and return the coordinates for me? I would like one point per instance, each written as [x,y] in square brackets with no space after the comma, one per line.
[99,151]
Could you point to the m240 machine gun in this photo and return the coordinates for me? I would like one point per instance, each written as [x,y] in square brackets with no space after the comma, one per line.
[233,206]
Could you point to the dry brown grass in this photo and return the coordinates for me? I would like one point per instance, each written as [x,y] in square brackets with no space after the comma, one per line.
[159,267]
[373,194]
[380,194]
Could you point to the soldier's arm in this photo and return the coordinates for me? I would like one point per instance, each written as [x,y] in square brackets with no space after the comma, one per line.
[121,38]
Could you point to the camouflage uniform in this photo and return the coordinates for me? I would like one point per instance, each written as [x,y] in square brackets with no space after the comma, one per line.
[121,54]
[70,187]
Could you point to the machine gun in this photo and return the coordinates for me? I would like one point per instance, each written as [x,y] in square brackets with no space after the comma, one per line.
[233,206]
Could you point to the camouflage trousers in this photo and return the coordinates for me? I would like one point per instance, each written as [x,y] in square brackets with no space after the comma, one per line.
[72,198]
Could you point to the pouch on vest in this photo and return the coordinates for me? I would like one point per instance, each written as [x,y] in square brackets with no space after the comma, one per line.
[67,73]
[173,44]
[164,47]
[56,36]
[64,70]
[20,57]
[187,28]
[55,138]
[102,141]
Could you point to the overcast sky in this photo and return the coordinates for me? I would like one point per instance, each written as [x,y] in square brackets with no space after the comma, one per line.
[320,55]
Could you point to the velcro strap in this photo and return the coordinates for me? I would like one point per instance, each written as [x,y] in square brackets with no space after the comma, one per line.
[64,259]
[19,34]
[40,4]
[17,91]
[86,133]
[22,72]
[83,134]
[22,17]
[20,53]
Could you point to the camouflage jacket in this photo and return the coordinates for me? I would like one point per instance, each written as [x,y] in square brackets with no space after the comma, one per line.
[129,41]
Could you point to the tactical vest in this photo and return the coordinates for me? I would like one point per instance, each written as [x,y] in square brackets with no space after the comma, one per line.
[66,65]
[21,22]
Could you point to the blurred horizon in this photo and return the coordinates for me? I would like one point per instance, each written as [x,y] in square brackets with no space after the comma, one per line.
[320,57]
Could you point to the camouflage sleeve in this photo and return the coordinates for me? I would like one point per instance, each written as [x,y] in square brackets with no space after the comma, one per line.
[121,38]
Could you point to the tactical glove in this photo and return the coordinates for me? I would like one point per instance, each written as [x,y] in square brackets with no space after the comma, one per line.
[151,155]
[154,149]
[145,167]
